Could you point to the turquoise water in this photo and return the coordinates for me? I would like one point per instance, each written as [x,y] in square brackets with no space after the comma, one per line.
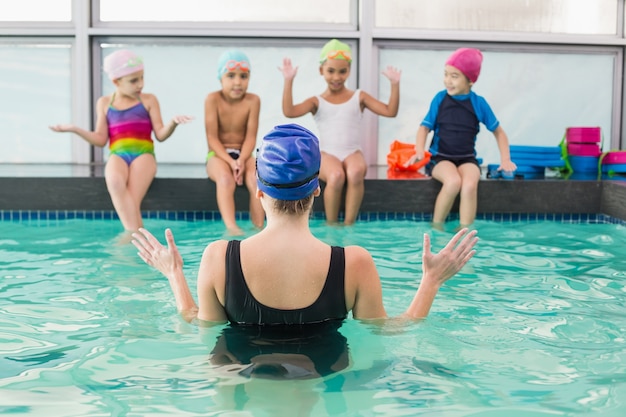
[533,326]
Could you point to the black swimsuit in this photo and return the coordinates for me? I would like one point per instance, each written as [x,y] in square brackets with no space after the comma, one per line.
[242,308]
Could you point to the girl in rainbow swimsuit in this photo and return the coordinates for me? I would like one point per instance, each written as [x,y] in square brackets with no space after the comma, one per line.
[126,120]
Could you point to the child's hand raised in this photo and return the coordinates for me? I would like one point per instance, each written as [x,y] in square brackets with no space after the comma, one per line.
[393,74]
[289,71]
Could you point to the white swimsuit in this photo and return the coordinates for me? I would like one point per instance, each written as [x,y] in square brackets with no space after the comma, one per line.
[339,126]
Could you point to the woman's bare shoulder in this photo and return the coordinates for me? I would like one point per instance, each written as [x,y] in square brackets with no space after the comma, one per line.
[216,248]
[357,257]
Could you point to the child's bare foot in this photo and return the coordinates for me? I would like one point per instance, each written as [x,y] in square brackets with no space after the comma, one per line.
[462,226]
[437,226]
[124,238]
[235,231]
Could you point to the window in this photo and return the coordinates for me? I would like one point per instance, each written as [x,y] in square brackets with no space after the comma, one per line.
[181,74]
[597,17]
[36,11]
[535,95]
[287,11]
[35,86]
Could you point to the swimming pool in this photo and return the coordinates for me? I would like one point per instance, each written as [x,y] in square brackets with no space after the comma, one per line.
[534,326]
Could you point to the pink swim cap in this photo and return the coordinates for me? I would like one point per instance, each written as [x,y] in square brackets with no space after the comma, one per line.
[468,61]
[121,63]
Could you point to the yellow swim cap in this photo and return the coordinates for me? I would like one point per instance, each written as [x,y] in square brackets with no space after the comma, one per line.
[335,49]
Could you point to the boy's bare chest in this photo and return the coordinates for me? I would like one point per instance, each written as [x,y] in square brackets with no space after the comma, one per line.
[228,113]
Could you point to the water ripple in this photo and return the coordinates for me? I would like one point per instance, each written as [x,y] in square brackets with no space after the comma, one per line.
[534,325]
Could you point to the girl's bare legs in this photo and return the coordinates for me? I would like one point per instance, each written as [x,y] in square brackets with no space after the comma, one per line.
[128,186]
[221,173]
[355,168]
[447,174]
[257,215]
[333,175]
[470,176]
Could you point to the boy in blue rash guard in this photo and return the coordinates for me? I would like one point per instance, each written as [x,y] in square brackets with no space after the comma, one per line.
[454,116]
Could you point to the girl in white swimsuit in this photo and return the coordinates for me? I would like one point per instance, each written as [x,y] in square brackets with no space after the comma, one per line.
[337,112]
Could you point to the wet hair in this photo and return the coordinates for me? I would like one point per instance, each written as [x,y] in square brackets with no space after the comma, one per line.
[301,206]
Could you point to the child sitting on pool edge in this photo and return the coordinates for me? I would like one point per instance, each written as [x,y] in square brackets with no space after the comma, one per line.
[126,119]
[338,113]
[454,116]
[231,117]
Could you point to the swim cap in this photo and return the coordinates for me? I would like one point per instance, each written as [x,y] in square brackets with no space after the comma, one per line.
[468,61]
[335,49]
[288,163]
[121,63]
[230,60]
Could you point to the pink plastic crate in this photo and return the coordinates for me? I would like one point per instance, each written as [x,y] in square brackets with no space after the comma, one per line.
[583,135]
[583,149]
[614,157]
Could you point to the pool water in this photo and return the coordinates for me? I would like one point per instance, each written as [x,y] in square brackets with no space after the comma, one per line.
[535,325]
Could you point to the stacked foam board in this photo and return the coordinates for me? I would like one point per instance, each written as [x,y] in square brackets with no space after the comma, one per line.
[531,162]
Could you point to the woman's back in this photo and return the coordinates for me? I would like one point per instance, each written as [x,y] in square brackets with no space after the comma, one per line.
[271,279]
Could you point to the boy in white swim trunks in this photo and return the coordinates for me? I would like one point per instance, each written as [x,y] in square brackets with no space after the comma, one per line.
[337,112]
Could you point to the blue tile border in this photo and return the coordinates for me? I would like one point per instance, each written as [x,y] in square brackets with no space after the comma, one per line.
[192,216]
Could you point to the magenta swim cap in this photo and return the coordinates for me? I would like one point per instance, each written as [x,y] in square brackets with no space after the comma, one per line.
[288,163]
[121,63]
[468,61]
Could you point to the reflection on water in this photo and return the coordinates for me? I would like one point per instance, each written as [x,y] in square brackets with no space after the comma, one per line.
[282,352]
[533,326]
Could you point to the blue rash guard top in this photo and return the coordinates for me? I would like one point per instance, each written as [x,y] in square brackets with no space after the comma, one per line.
[242,308]
[455,122]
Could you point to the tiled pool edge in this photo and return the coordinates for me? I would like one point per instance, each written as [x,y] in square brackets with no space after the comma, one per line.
[199,216]
[194,198]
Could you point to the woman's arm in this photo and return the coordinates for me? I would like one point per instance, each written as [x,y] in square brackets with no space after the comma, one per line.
[438,268]
[170,263]
[363,288]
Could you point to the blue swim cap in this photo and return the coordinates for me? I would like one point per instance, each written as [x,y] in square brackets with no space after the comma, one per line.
[230,60]
[288,163]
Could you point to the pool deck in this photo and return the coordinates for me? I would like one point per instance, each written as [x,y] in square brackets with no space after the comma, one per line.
[87,191]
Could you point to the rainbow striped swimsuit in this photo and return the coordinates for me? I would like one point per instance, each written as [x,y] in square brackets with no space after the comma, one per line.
[130,132]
